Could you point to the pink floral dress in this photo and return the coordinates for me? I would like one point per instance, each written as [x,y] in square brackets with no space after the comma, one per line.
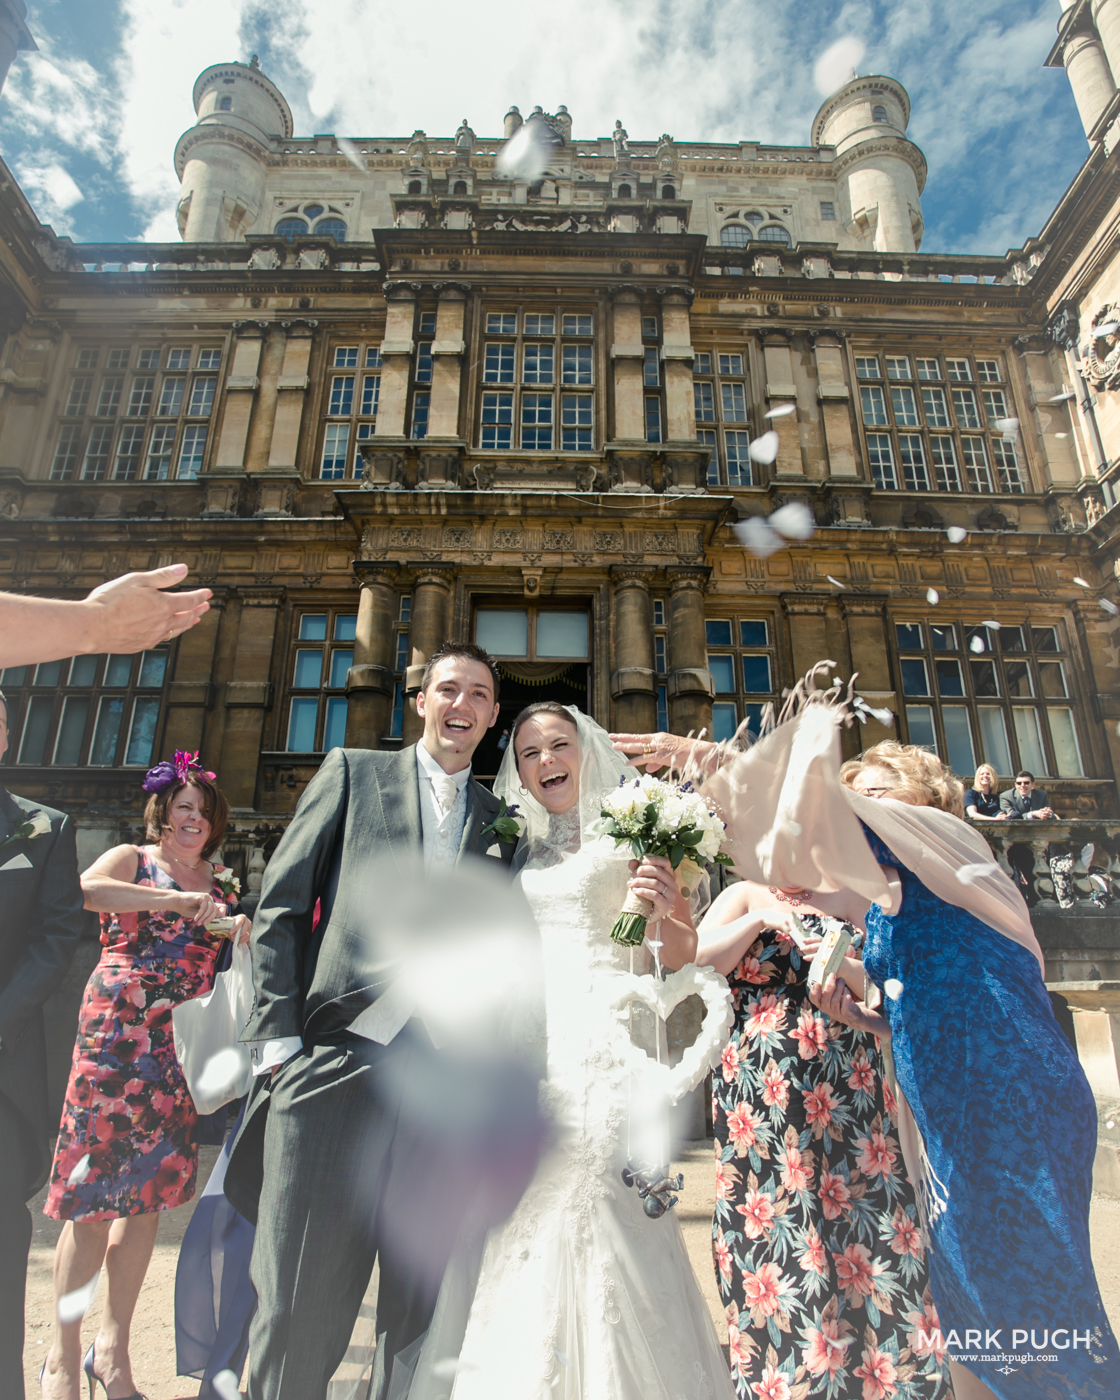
[128,1109]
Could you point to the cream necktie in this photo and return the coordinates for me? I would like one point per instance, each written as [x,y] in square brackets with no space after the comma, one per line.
[446,790]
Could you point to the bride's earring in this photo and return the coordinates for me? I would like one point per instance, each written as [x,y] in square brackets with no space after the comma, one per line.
[524,791]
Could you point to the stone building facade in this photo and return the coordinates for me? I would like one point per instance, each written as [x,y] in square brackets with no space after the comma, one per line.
[386,391]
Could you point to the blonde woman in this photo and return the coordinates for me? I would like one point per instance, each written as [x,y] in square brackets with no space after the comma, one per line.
[981,800]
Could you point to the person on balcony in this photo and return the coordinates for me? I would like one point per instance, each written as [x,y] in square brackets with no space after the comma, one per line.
[1025,802]
[981,800]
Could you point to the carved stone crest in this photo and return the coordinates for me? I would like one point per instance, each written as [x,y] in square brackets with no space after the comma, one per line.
[1101,356]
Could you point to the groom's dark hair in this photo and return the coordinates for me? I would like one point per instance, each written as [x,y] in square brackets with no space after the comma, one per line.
[469,651]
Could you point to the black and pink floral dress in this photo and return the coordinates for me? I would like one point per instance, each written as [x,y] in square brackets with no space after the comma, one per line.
[127,1104]
[819,1255]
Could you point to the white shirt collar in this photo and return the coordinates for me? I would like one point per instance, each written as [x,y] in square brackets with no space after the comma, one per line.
[434,772]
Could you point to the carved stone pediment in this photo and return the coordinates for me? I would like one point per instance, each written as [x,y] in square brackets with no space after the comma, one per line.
[535,476]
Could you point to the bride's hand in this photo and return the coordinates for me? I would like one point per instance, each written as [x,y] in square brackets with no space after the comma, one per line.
[661,750]
[654,880]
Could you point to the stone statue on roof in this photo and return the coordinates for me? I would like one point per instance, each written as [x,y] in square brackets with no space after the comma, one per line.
[621,141]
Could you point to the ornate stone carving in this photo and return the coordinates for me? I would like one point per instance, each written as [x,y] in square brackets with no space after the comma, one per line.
[313,260]
[660,541]
[535,476]
[1100,357]
[438,471]
[263,260]
[507,539]
[559,539]
[609,541]
[456,537]
[404,537]
[384,471]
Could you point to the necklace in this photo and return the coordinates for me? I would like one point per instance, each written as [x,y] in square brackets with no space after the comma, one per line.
[180,861]
[797,898]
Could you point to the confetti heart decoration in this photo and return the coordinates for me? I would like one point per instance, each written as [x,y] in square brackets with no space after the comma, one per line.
[1063,397]
[933,597]
[661,998]
[782,411]
[995,626]
[1109,606]
[795,521]
[764,449]
[977,644]
[75,1305]
[969,874]
[758,536]
[1082,583]
[893,988]
[957,534]
[80,1172]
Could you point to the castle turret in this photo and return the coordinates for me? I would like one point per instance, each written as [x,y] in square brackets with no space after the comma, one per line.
[1082,53]
[880,171]
[221,160]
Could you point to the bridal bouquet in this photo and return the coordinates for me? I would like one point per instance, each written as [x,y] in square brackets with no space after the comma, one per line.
[658,818]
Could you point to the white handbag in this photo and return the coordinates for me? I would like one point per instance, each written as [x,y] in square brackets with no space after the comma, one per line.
[215,1064]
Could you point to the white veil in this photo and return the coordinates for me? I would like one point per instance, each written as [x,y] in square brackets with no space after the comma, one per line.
[600,769]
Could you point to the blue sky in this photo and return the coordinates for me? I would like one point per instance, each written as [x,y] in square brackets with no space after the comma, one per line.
[89,123]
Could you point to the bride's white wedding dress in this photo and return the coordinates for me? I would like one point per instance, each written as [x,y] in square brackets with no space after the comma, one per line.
[580,1295]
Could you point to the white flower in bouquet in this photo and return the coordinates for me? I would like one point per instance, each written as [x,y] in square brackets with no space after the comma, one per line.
[659,818]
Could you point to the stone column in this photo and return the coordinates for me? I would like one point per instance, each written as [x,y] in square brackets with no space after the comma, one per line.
[249,694]
[447,360]
[396,355]
[835,398]
[192,691]
[1089,76]
[633,682]
[676,365]
[431,594]
[369,682]
[781,389]
[241,393]
[690,682]
[259,443]
[627,355]
[1106,16]
[292,385]
[867,641]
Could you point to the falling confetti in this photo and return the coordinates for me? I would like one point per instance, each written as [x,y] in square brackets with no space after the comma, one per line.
[1009,427]
[221,1071]
[1109,606]
[837,65]
[75,1305]
[449,1368]
[1061,435]
[969,874]
[995,626]
[1081,582]
[765,448]
[350,151]
[80,1172]
[795,521]
[1111,1123]
[957,534]
[1109,328]
[862,708]
[225,1383]
[1087,855]
[523,157]
[933,597]
[977,644]
[893,988]
[782,411]
[758,537]
[835,581]
[794,828]
[1063,397]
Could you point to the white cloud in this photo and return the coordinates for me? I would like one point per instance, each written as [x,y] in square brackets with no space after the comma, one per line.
[52,190]
[700,70]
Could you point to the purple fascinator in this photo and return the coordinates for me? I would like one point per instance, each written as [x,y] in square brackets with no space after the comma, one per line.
[175,769]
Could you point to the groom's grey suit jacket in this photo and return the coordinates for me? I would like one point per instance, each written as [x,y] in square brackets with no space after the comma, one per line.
[361,804]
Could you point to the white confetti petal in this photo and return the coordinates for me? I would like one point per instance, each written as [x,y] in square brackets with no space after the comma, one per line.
[75,1305]
[449,1367]
[225,1383]
[795,521]
[1061,435]
[1087,855]
[560,1356]
[758,537]
[523,156]
[932,596]
[794,828]
[1081,582]
[1109,606]
[1063,397]
[836,581]
[765,448]
[995,626]
[893,988]
[969,874]
[80,1172]
[957,534]
[837,65]
[977,644]
[221,1071]
[1009,427]
[354,156]
[782,411]
[1109,328]
[1111,1123]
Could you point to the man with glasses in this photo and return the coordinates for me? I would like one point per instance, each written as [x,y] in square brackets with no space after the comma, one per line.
[1025,802]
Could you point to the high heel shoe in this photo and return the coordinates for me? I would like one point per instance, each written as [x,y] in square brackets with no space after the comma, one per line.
[94,1379]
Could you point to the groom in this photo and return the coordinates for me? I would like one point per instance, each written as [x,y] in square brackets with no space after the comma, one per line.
[355,1149]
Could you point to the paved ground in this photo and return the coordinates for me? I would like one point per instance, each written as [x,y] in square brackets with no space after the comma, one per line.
[153,1343]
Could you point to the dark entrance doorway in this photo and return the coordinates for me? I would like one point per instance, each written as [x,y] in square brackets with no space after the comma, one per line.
[567,687]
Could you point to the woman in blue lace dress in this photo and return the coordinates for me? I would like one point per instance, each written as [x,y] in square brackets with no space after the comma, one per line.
[1007,1120]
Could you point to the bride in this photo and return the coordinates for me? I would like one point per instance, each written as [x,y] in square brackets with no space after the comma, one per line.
[579,1295]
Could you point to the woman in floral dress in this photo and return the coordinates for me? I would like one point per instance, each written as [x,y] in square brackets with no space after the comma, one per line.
[126,1148]
[819,1254]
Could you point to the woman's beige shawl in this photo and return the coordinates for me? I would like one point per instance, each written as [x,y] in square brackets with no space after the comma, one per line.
[791,822]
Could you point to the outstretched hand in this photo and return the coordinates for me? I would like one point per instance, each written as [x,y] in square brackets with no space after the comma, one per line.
[661,750]
[131,613]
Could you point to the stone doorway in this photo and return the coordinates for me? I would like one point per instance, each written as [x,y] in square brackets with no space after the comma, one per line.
[567,686]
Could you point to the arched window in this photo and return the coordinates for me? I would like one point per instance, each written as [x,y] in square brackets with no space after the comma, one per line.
[879,114]
[624,192]
[334,227]
[775,233]
[414,187]
[312,210]
[734,236]
[225,104]
[668,192]
[460,187]
[754,217]
[291,228]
